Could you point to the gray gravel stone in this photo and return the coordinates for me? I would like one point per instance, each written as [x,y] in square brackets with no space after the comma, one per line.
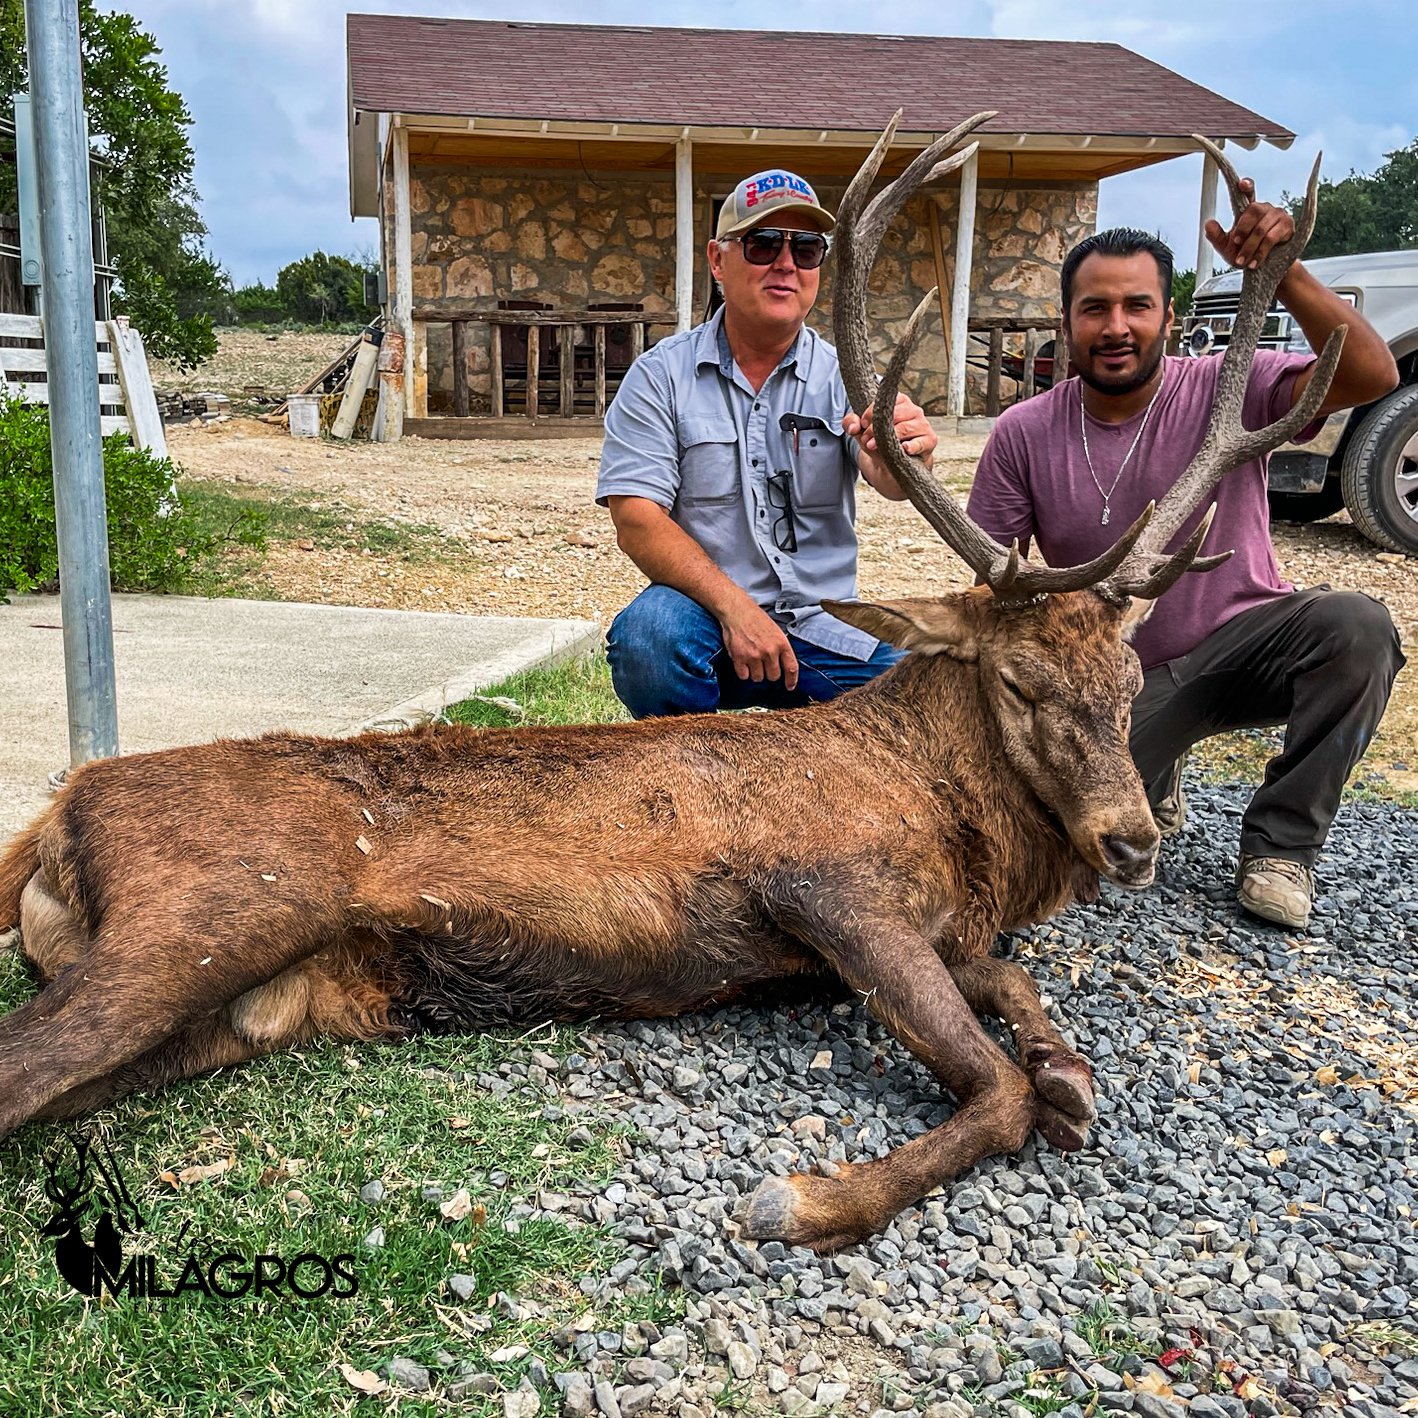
[405,1373]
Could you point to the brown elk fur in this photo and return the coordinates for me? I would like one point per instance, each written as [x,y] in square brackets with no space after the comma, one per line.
[196,907]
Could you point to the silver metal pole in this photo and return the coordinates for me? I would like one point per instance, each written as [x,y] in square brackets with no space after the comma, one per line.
[75,436]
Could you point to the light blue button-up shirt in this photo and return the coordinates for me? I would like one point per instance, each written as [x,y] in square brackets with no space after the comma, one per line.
[687,431]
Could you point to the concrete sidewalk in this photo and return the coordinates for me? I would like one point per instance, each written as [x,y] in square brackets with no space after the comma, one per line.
[192,670]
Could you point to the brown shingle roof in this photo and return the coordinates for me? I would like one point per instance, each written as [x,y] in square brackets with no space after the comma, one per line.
[631,74]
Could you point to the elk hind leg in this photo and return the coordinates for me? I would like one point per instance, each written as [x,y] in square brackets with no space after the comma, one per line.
[1062,1077]
[300,1004]
[907,987]
[137,985]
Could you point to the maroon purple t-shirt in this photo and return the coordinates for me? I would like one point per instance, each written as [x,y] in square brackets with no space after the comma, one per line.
[1033,482]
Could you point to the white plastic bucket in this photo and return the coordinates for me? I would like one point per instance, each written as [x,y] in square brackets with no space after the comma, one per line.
[304,410]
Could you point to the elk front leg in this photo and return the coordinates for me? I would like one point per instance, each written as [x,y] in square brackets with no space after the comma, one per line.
[910,991]
[1062,1077]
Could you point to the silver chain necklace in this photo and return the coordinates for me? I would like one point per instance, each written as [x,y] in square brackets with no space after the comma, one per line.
[1083,429]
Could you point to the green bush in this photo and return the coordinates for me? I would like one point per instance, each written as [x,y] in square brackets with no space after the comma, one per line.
[154,542]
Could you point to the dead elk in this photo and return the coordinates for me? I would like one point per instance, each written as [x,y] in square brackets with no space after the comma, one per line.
[199,907]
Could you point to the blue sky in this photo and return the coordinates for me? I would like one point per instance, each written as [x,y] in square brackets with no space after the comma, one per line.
[265,81]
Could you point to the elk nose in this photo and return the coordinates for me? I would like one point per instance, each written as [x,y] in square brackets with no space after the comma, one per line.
[1123,856]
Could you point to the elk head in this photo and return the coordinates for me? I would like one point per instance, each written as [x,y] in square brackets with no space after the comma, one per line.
[1056,676]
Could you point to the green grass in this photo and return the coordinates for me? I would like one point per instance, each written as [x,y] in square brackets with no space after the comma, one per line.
[246,520]
[1241,757]
[1107,1332]
[577,692]
[320,1122]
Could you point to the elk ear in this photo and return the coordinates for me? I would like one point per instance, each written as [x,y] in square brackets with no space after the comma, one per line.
[931,625]
[1137,611]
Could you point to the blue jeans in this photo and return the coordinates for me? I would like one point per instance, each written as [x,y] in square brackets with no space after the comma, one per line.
[667,656]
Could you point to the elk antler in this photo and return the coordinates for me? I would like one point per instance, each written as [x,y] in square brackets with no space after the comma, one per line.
[1149,571]
[860,227]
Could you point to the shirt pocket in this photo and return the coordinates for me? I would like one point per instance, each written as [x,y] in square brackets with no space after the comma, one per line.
[818,478]
[709,460]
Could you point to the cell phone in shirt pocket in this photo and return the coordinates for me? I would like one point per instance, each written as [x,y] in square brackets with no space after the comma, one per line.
[818,460]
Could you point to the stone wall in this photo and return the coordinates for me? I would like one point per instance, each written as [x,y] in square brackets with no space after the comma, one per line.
[574,239]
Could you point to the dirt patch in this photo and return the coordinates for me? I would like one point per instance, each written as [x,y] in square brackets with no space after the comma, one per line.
[252,362]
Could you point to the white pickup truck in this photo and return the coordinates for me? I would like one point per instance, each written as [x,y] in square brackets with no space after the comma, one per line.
[1365,459]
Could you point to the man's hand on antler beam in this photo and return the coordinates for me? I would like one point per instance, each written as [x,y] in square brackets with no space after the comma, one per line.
[913,429]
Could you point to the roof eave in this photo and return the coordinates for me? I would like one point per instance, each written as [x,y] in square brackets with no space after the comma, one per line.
[365,157]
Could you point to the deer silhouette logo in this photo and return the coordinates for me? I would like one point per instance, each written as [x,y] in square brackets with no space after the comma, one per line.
[93,1187]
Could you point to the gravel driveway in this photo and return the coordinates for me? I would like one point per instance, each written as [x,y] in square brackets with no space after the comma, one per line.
[1244,1210]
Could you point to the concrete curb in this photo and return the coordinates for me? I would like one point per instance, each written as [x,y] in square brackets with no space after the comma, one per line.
[569,640]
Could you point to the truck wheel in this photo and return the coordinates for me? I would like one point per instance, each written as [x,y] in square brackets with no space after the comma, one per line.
[1307,506]
[1380,473]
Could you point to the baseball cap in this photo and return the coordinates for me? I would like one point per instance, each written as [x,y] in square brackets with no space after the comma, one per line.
[770,194]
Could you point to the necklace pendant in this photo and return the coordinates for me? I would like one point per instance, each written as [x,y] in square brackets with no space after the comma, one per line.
[1107,514]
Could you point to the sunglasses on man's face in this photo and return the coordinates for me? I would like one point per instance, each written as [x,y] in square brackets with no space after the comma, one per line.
[762,245]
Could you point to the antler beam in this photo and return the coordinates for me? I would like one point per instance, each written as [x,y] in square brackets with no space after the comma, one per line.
[1228,443]
[860,228]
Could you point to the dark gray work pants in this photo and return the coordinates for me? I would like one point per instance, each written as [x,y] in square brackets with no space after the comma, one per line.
[1320,662]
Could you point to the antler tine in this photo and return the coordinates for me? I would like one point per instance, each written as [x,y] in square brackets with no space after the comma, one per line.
[1172,568]
[979,551]
[1228,443]
[860,227]
[855,197]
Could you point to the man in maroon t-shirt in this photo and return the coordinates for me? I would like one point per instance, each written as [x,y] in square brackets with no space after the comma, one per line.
[1237,647]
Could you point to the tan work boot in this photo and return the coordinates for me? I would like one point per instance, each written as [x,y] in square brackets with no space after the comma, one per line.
[1170,814]
[1276,889]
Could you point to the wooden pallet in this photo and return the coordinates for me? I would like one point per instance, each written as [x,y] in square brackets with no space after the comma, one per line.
[127,403]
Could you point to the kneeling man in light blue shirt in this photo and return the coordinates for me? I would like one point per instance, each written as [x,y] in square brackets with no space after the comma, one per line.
[729,468]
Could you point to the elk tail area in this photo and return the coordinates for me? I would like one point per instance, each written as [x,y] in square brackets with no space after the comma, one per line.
[18,862]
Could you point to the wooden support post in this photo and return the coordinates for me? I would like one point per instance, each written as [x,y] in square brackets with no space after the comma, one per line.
[684,234]
[1205,252]
[404,261]
[534,359]
[960,294]
[495,397]
[419,337]
[600,371]
[1060,356]
[566,358]
[992,378]
[1031,348]
[637,341]
[462,404]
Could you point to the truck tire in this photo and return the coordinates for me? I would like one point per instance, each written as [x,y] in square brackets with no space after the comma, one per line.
[1380,473]
[1307,506]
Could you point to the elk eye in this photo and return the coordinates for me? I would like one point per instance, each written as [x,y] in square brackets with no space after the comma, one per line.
[1017,694]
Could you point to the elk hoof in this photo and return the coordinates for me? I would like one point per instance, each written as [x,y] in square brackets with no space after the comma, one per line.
[1063,1090]
[798,1210]
[770,1211]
